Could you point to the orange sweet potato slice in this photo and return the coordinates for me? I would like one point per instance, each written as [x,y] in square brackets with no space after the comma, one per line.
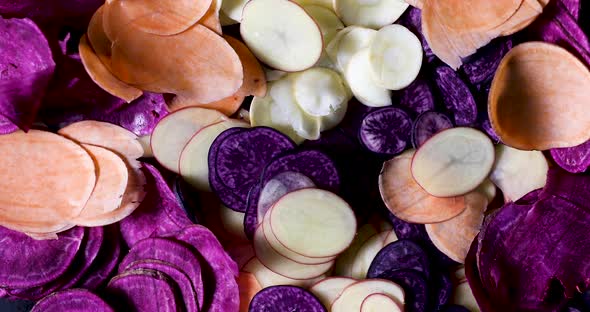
[100,74]
[480,15]
[159,17]
[112,137]
[539,98]
[203,69]
[254,77]
[227,106]
[99,41]
[111,182]
[526,14]
[454,236]
[407,200]
[46,179]
[249,287]
[211,18]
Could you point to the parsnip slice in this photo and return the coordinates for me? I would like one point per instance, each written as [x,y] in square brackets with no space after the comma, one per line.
[359,76]
[351,299]
[373,14]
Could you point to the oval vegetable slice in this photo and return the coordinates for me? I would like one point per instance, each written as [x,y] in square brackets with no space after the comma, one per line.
[268,278]
[320,91]
[478,15]
[99,42]
[265,112]
[72,300]
[379,302]
[386,131]
[131,289]
[47,180]
[249,287]
[111,183]
[285,298]
[359,76]
[326,19]
[280,185]
[351,299]
[528,102]
[371,14]
[410,202]
[328,289]
[428,124]
[453,162]
[281,34]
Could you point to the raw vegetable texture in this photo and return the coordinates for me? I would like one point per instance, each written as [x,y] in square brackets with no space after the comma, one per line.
[573,159]
[285,298]
[73,300]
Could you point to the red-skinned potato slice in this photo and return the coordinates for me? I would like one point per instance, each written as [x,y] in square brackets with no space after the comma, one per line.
[228,106]
[160,17]
[410,202]
[453,237]
[328,289]
[46,180]
[111,181]
[268,278]
[203,69]
[480,15]
[249,287]
[379,302]
[117,139]
[99,41]
[211,18]
[539,96]
[101,75]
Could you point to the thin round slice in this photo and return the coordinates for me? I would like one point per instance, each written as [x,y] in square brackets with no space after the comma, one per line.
[386,131]
[359,76]
[351,299]
[111,182]
[254,77]
[281,34]
[320,91]
[428,124]
[478,16]
[313,215]
[395,57]
[366,254]
[453,237]
[278,186]
[379,303]
[194,163]
[354,39]
[326,19]
[175,130]
[47,180]
[415,286]
[407,200]
[401,254]
[372,14]
[453,162]
[328,289]
[131,289]
[72,300]
[264,111]
[233,9]
[268,278]
[533,108]
[285,298]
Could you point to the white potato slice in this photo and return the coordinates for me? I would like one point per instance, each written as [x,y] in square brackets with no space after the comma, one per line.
[343,265]
[147,148]
[453,162]
[462,295]
[194,159]
[351,299]
[265,112]
[518,172]
[267,278]
[174,131]
[281,34]
[328,4]
[359,76]
[355,40]
[273,74]
[326,19]
[277,187]
[367,253]
[328,289]
[390,238]
[379,303]
[395,56]
[224,20]
[233,223]
[282,265]
[233,9]
[320,91]
[488,189]
[313,215]
[370,13]
[334,45]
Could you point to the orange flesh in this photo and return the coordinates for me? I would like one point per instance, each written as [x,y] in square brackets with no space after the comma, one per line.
[408,201]
[211,18]
[159,17]
[46,179]
[227,106]
[111,182]
[99,41]
[453,237]
[248,286]
[482,15]
[539,96]
[203,69]
[526,14]
[103,77]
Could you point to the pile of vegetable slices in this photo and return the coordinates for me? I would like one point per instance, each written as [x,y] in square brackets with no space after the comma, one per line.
[294,155]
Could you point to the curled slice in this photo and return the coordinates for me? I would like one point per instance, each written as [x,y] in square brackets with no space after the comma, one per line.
[407,200]
[72,300]
[47,180]
[131,289]
[98,40]
[359,75]
[320,91]
[351,299]
[533,106]
[371,14]
[328,289]
[477,15]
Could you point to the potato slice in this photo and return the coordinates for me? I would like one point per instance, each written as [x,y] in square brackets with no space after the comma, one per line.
[351,299]
[359,75]
[268,278]
[254,77]
[101,75]
[372,14]
[265,112]
[378,303]
[46,181]
[203,69]
[481,15]
[538,99]
[320,91]
[159,17]
[211,17]
[328,289]
[326,19]
[99,41]
[526,14]
[410,202]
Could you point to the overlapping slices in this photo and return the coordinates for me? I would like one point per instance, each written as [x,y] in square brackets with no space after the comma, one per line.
[87,174]
[222,69]
[455,30]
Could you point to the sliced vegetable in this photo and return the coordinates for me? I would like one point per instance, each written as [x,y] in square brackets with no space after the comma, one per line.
[368,251]
[369,14]
[249,287]
[521,87]
[401,254]
[354,39]
[174,131]
[280,185]
[268,278]
[456,96]
[379,302]
[130,290]
[358,74]
[414,285]
[453,162]
[351,299]
[277,39]
[386,131]
[517,172]
[98,40]
[72,300]
[106,261]
[324,16]
[574,159]
[285,298]
[233,223]
[418,97]
[328,289]
[320,91]
[233,9]
[427,125]
[407,200]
